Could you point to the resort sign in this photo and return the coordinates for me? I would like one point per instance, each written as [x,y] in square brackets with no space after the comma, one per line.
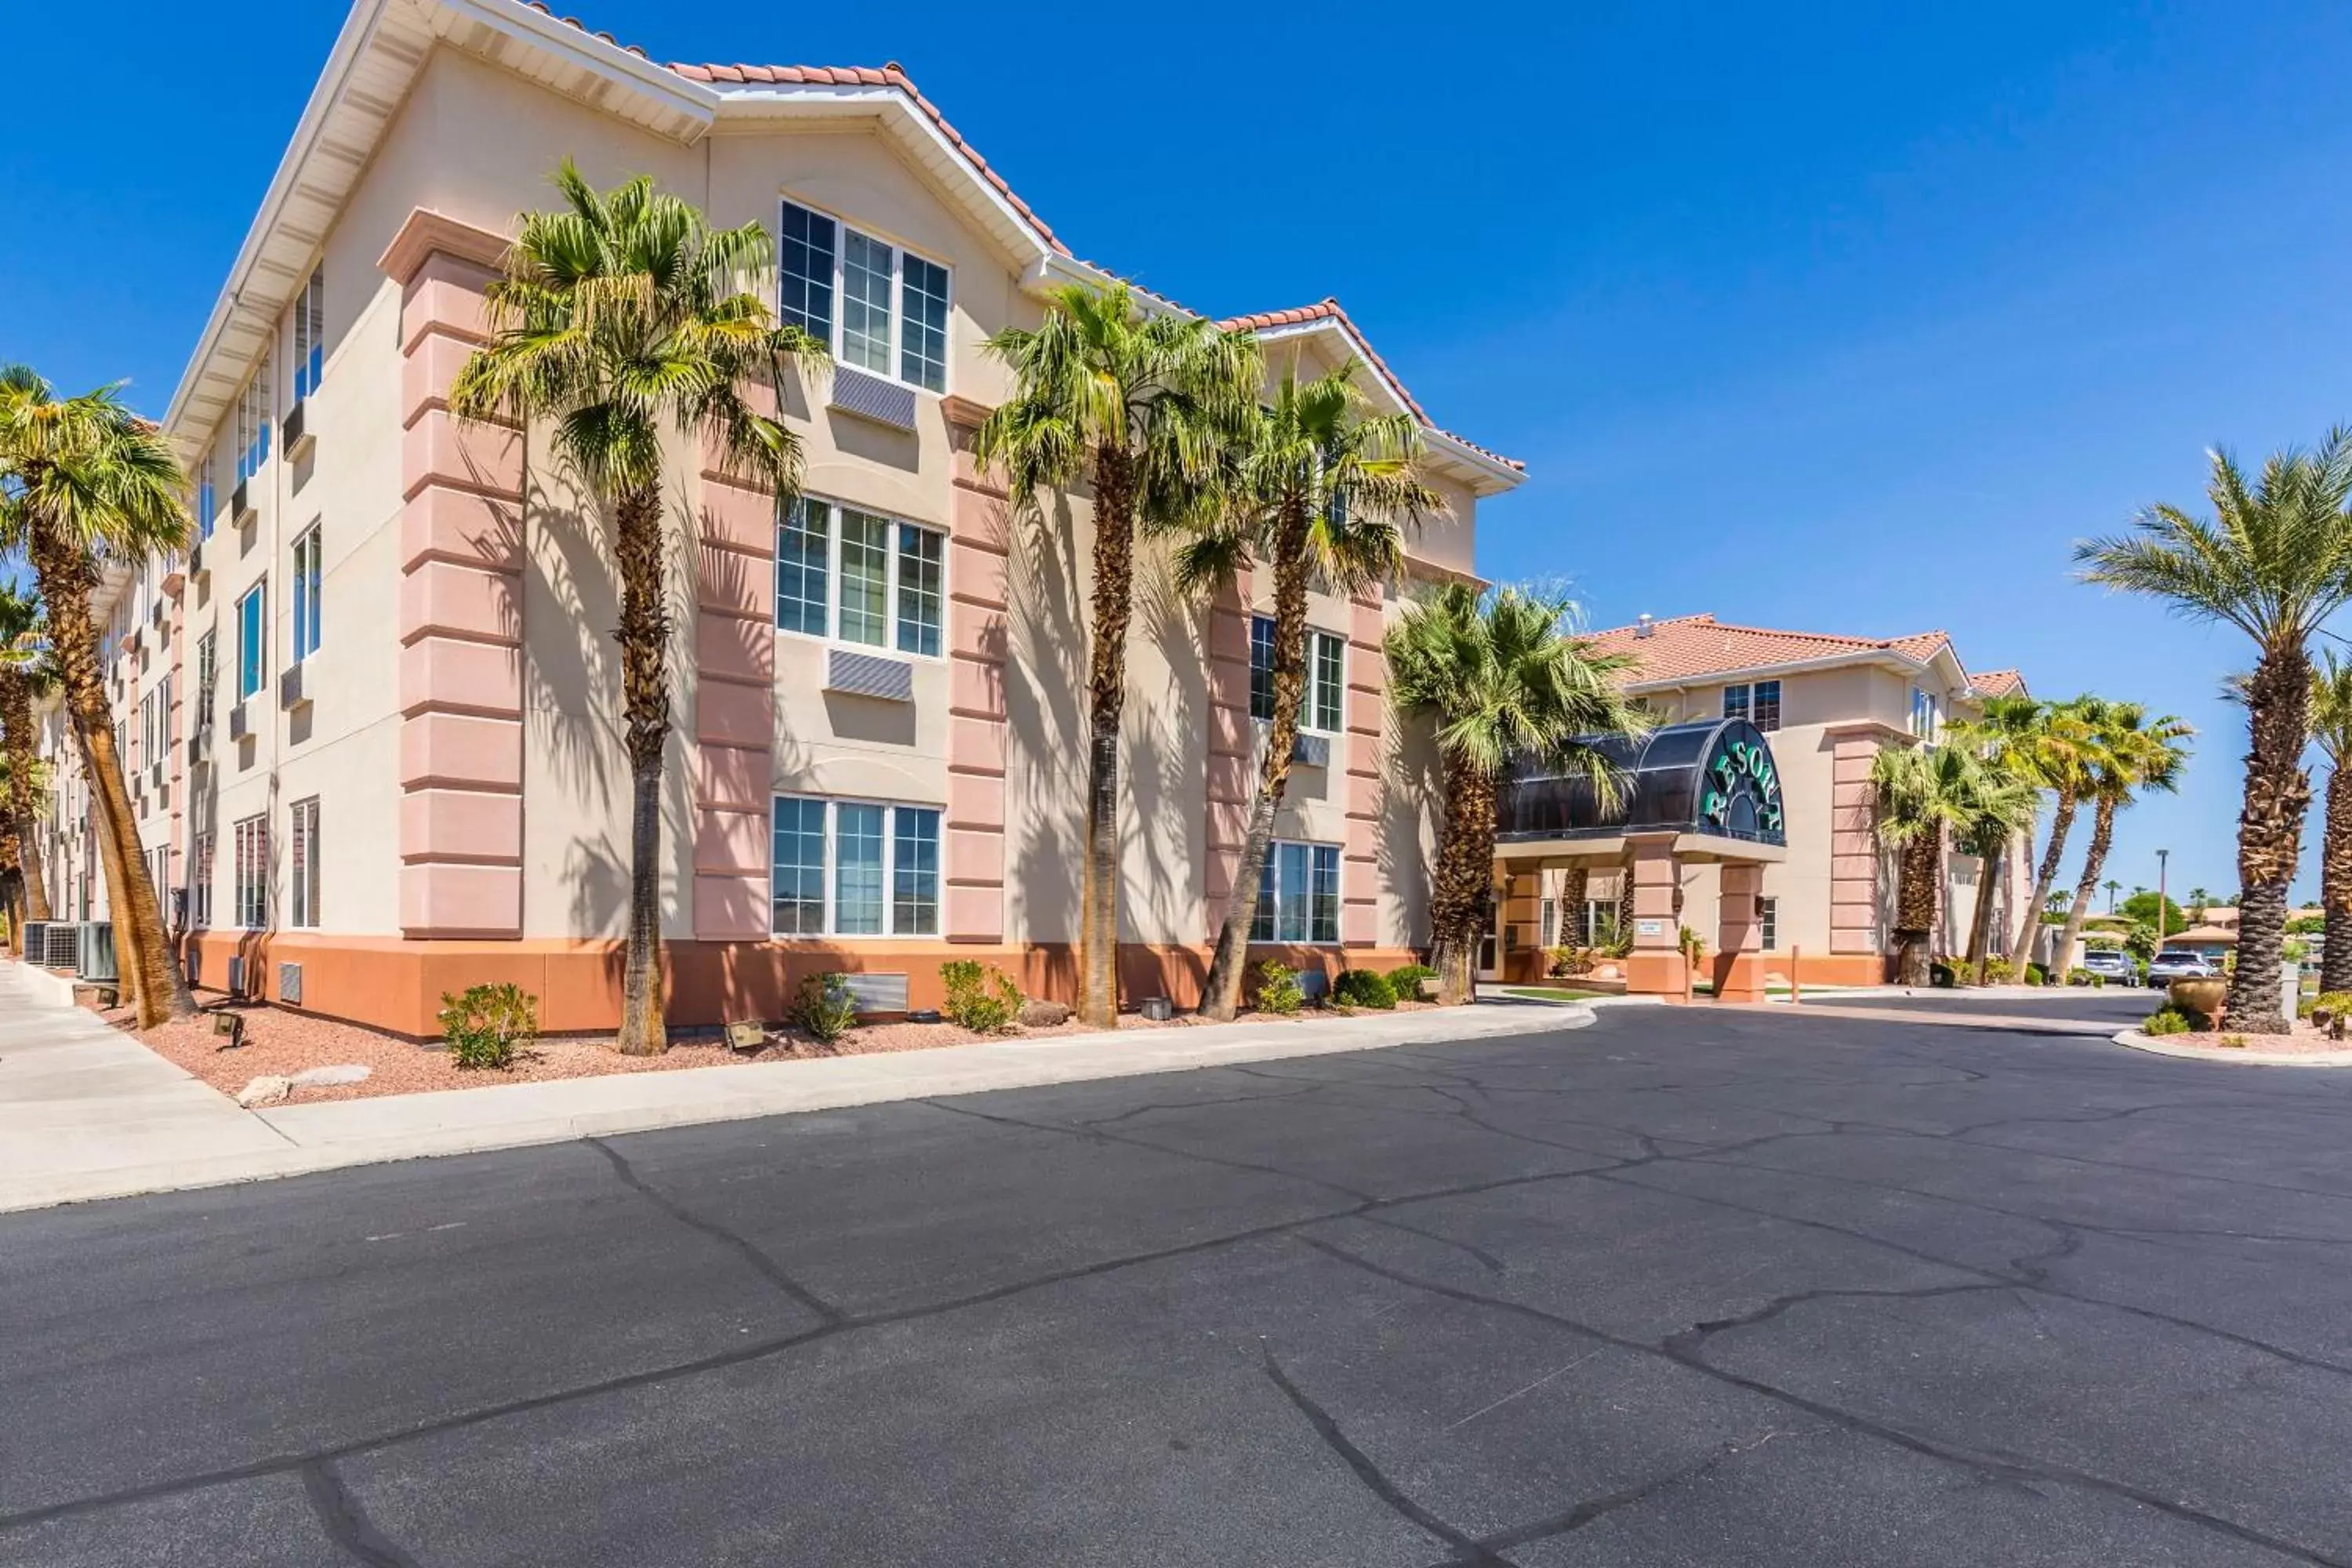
[1742,789]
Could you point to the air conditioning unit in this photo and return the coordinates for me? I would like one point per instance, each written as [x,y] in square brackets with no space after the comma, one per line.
[289,975]
[869,675]
[162,607]
[237,974]
[156,775]
[200,748]
[240,502]
[294,427]
[239,726]
[94,957]
[35,938]
[293,685]
[196,567]
[1314,751]
[62,945]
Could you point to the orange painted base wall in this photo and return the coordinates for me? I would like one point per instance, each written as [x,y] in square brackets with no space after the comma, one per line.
[387,982]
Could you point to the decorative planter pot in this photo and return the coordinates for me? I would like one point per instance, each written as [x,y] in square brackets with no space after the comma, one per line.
[2202,996]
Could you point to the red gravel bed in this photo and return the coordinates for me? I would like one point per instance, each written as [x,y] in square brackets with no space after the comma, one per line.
[2305,1041]
[281,1042]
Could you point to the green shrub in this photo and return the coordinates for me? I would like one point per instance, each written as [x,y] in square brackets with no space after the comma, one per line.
[1364,988]
[825,1007]
[2331,1010]
[2166,1020]
[980,997]
[1568,962]
[1405,981]
[487,1024]
[1278,989]
[2084,977]
[2036,976]
[1997,970]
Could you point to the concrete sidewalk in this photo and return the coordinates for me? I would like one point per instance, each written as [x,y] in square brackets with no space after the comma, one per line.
[88,1113]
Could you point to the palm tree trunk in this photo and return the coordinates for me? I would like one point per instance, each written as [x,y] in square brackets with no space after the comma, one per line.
[1114,602]
[643,636]
[143,951]
[2270,833]
[1625,932]
[1465,871]
[1221,996]
[110,857]
[1921,866]
[2102,837]
[36,892]
[1574,892]
[1980,917]
[2335,884]
[16,735]
[2062,823]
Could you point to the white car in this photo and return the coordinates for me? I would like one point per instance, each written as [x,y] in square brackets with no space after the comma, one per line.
[2179,964]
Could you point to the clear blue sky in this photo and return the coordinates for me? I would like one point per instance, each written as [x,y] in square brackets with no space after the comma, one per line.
[1848,318]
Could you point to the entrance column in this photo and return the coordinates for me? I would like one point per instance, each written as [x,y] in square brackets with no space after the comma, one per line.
[1739,935]
[1655,967]
[1522,960]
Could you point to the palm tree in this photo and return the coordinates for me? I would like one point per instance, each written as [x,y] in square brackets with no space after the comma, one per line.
[1924,794]
[2274,561]
[618,314]
[2197,898]
[2053,749]
[2113,887]
[2331,727]
[24,671]
[1503,676]
[87,480]
[2130,754]
[1140,407]
[1320,492]
[2011,737]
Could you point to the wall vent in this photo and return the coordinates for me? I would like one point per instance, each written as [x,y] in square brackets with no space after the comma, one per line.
[290,985]
[869,675]
[871,397]
[879,993]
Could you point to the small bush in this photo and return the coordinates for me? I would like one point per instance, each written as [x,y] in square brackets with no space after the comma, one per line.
[1405,981]
[2082,977]
[2166,1020]
[980,997]
[1278,989]
[1569,962]
[2330,1010]
[2036,976]
[1997,970]
[1364,988]
[487,1024]
[825,1007]
[2235,1042]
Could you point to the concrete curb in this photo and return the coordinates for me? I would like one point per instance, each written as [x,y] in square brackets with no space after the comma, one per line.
[2155,1046]
[334,1135]
[48,990]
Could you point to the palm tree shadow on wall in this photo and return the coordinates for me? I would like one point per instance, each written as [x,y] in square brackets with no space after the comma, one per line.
[1046,753]
[1167,784]
[1407,798]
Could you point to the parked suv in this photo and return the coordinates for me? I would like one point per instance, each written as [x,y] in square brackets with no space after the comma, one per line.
[2179,964]
[2112,964]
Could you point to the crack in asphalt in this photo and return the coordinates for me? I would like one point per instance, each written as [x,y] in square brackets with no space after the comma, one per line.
[347,1524]
[2016,1468]
[1190,1105]
[766,1267]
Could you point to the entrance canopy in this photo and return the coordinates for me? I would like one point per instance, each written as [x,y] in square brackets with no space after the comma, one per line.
[1711,784]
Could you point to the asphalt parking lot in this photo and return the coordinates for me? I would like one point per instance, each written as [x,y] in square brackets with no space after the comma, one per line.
[1688,1287]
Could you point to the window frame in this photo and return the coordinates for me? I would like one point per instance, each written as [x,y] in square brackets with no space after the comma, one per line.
[831,869]
[310,313]
[1265,927]
[836,322]
[1311,691]
[1764,700]
[260,641]
[250,847]
[309,578]
[1768,921]
[254,420]
[302,864]
[893,581]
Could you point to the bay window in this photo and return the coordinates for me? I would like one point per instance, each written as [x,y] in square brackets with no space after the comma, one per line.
[892,314]
[1298,893]
[860,578]
[853,867]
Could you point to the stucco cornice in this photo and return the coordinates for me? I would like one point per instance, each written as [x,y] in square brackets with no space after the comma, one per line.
[428,233]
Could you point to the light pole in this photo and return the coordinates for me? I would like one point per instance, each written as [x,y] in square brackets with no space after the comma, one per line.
[2162,857]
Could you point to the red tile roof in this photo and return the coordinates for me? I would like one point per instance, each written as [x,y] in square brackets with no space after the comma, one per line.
[1329,309]
[1687,647]
[891,75]
[1998,682]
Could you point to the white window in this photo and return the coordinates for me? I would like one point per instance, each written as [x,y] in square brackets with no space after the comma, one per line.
[151,734]
[307,559]
[159,876]
[252,846]
[1925,714]
[876,307]
[1548,930]
[310,334]
[200,883]
[252,642]
[1322,701]
[860,578]
[1600,920]
[1759,703]
[253,424]
[302,864]
[1767,916]
[1298,893]
[205,502]
[853,868]
[206,671]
